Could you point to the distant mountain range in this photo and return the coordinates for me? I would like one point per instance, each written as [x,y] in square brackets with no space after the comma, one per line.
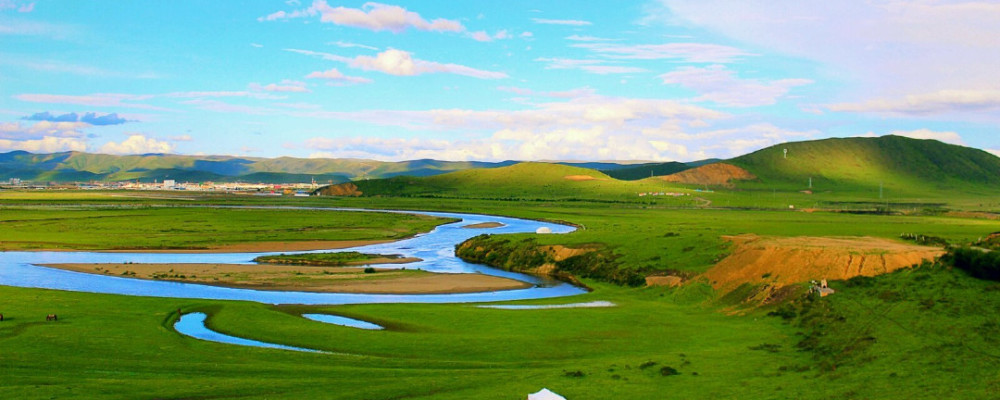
[86,167]
[889,161]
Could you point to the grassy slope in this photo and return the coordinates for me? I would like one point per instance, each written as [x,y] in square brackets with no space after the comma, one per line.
[905,166]
[520,181]
[647,170]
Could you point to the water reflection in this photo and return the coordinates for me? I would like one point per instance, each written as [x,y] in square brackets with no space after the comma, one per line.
[343,321]
[435,248]
[193,325]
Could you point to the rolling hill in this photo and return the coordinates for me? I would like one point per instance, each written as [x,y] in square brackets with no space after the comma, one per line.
[529,180]
[908,167]
[898,163]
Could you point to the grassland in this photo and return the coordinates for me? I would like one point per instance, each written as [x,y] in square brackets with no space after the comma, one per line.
[903,335]
[175,228]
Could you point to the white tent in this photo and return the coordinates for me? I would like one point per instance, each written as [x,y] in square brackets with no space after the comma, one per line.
[543,229]
[545,394]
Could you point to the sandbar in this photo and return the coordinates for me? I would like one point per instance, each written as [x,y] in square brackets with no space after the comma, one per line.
[484,225]
[305,278]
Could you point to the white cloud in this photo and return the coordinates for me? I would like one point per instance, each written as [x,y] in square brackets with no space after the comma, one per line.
[689,52]
[181,138]
[336,76]
[348,45]
[593,66]
[47,144]
[96,99]
[372,16]
[566,94]
[584,38]
[944,101]
[285,86]
[41,129]
[947,137]
[586,126]
[482,36]
[718,84]
[882,46]
[402,63]
[137,144]
[571,22]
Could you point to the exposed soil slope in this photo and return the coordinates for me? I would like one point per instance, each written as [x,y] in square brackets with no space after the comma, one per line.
[783,261]
[343,189]
[711,174]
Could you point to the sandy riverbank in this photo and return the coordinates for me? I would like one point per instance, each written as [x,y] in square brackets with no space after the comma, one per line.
[306,278]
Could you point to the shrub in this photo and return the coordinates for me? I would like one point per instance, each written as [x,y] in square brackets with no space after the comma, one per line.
[978,263]
[369,270]
[669,371]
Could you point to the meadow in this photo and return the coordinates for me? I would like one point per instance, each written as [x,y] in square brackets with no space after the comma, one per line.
[909,334]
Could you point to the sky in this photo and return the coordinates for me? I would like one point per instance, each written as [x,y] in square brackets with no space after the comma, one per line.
[486,80]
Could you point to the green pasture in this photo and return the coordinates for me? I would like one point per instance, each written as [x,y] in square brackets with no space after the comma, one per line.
[926,333]
[90,228]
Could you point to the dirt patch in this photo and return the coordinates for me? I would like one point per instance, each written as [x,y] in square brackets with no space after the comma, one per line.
[484,225]
[580,177]
[711,174]
[669,281]
[306,278]
[342,189]
[778,262]
[560,253]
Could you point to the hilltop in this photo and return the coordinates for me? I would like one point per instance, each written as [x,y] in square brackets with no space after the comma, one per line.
[898,163]
[529,180]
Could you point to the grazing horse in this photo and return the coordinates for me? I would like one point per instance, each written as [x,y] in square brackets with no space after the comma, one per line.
[1,317]
[51,317]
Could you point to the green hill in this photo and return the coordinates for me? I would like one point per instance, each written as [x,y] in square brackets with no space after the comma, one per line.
[902,164]
[527,180]
[646,170]
[849,169]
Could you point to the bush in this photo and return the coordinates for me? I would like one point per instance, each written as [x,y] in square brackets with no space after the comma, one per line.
[978,263]
[369,270]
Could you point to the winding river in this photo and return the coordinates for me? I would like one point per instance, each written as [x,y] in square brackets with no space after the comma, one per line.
[436,248]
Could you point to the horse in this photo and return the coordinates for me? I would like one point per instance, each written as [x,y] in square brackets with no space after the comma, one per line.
[51,317]
[1,317]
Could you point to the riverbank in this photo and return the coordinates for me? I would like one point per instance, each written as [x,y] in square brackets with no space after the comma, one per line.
[305,278]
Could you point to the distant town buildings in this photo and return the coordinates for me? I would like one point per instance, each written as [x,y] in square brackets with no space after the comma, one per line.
[270,189]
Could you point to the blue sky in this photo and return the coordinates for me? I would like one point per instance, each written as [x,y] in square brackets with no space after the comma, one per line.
[485,80]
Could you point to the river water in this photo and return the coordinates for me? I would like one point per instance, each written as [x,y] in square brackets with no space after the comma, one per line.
[435,248]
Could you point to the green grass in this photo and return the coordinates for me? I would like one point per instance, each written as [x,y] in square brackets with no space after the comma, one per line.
[321,259]
[107,346]
[193,228]
[914,334]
